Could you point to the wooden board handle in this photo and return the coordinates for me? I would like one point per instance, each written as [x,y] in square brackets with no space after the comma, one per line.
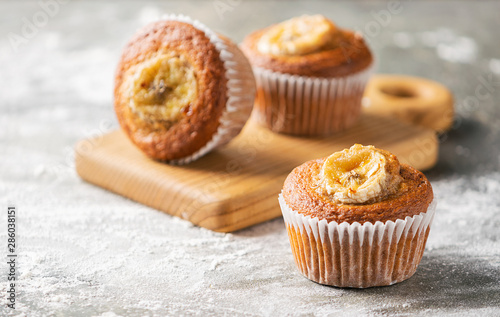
[410,99]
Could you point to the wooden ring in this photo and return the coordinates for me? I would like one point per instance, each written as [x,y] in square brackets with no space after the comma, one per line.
[411,99]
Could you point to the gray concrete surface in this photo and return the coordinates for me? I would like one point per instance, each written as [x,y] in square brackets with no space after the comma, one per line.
[83,251]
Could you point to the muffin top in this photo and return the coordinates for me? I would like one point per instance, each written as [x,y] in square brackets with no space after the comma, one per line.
[359,184]
[308,46]
[170,89]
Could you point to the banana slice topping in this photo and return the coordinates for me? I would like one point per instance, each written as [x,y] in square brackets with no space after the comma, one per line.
[298,36]
[163,88]
[360,174]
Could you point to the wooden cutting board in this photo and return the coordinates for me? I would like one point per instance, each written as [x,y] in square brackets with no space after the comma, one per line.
[236,186]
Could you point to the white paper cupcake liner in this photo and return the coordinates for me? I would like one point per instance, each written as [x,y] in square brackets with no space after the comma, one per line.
[355,255]
[240,90]
[308,106]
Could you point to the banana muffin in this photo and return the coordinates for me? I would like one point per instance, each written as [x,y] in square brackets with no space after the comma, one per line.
[358,218]
[182,90]
[310,75]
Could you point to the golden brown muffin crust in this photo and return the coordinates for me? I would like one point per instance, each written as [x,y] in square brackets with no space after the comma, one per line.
[300,194]
[349,55]
[200,120]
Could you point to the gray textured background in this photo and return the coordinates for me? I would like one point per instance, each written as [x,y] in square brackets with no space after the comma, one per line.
[87,252]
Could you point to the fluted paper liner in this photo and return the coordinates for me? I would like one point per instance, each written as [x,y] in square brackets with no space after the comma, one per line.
[240,90]
[355,255]
[308,106]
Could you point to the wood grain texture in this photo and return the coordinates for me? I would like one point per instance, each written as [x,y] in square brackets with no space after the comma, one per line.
[236,186]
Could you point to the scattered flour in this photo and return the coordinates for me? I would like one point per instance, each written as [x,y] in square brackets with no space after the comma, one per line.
[86,252]
[448,45]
